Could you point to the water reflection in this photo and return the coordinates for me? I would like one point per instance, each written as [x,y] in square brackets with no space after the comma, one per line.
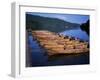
[40,58]
[78,33]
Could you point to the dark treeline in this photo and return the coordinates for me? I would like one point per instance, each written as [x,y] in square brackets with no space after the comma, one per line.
[85,27]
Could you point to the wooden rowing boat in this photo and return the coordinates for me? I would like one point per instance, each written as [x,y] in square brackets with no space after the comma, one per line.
[59,44]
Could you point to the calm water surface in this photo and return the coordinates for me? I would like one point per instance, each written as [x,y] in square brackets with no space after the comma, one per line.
[40,58]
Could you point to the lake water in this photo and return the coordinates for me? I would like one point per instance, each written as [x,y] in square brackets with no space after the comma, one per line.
[40,58]
[78,33]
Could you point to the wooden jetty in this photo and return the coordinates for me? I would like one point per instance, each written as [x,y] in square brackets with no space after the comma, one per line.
[59,44]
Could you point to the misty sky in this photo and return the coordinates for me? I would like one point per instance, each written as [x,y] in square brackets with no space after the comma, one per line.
[73,18]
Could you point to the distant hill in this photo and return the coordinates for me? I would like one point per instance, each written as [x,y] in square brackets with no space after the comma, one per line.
[44,23]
